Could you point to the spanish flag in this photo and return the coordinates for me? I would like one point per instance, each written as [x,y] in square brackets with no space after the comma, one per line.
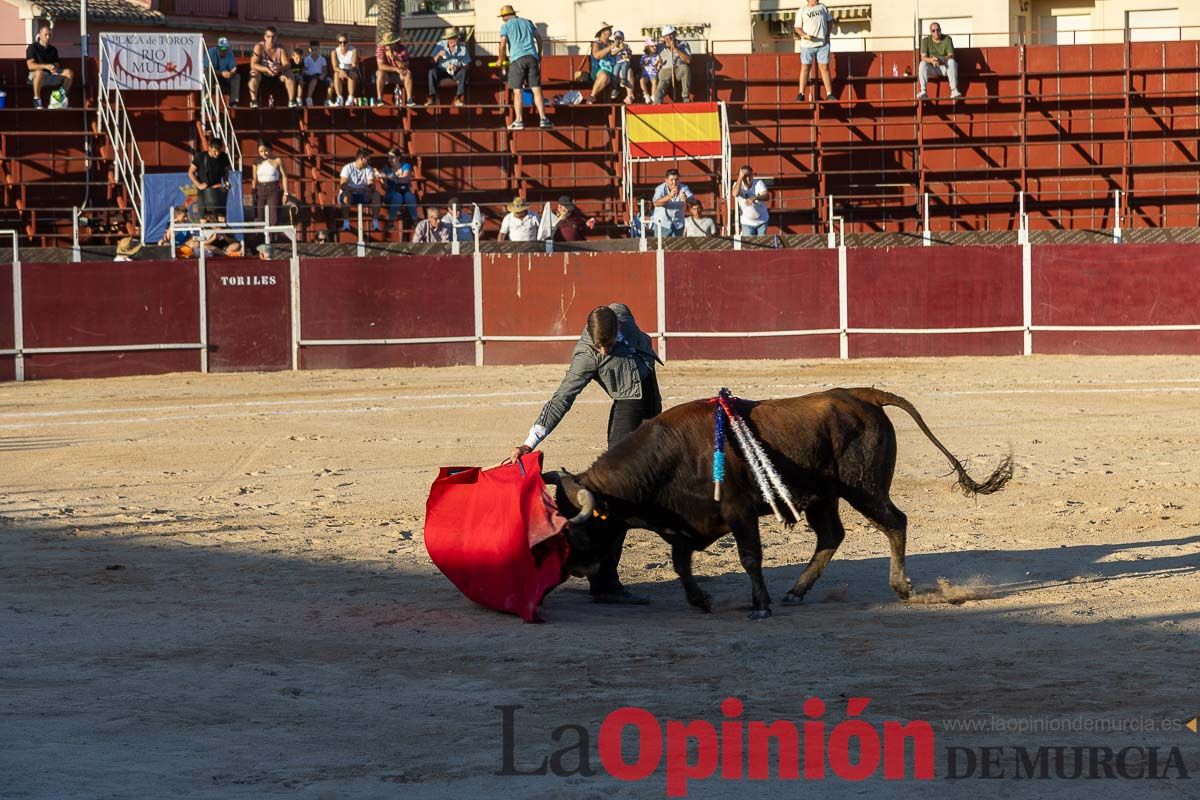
[676,130]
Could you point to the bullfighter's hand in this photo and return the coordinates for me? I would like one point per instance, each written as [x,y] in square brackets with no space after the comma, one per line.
[515,456]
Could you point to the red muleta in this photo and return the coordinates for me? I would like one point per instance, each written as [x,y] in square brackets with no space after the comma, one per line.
[497,535]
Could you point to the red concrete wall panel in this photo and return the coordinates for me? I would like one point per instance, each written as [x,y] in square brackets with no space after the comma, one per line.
[387,356]
[249,315]
[920,287]
[1120,343]
[551,295]
[876,345]
[786,347]
[8,368]
[528,352]
[1116,285]
[7,332]
[110,303]
[46,366]
[405,297]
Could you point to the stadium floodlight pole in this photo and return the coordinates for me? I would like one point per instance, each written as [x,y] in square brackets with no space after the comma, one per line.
[927,235]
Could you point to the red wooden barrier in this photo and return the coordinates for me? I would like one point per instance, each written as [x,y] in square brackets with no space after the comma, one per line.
[107,304]
[932,288]
[7,332]
[551,295]
[249,315]
[1083,285]
[773,290]
[407,297]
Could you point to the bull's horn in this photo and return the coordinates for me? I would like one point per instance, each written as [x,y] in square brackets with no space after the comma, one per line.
[587,505]
[554,478]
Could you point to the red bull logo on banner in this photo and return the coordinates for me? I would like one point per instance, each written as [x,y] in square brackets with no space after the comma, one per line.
[152,61]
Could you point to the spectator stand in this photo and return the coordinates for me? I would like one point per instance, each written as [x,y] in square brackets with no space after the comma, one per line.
[157,63]
[674,132]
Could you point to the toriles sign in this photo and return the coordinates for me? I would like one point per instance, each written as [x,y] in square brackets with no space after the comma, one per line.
[152,61]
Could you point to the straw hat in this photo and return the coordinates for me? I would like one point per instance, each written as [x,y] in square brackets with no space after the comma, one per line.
[391,38]
[128,247]
[507,11]
[518,205]
[450,33]
[604,26]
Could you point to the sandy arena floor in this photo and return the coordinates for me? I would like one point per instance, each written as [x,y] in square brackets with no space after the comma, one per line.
[216,586]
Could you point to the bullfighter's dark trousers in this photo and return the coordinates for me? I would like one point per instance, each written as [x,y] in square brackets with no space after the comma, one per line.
[623,419]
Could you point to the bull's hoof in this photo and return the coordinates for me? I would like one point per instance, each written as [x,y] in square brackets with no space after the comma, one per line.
[620,597]
[791,599]
[903,590]
[759,613]
[703,602]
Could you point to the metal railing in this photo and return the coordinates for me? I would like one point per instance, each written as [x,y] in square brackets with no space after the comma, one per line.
[215,118]
[128,165]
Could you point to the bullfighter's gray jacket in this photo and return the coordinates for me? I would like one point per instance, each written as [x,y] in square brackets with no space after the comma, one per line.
[620,373]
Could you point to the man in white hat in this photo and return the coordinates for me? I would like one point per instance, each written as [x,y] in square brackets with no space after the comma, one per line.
[225,65]
[520,224]
[675,73]
[127,248]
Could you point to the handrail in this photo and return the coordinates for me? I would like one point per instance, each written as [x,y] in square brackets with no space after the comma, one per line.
[128,165]
[215,117]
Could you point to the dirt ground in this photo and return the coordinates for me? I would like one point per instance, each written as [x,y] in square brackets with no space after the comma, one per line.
[215,586]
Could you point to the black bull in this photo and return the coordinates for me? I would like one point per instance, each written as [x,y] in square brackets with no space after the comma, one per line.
[826,446]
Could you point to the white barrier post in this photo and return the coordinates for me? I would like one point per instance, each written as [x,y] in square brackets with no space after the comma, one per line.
[830,238]
[1117,217]
[75,256]
[202,274]
[643,224]
[18,314]
[737,224]
[362,249]
[927,236]
[454,246]
[1022,221]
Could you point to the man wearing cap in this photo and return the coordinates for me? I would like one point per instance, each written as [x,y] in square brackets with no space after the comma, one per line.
[391,65]
[450,60]
[521,44]
[209,172]
[571,225]
[675,72]
[225,65]
[519,224]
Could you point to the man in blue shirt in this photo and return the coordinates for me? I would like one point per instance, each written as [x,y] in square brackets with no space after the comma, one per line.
[519,40]
[450,60]
[223,62]
[670,201]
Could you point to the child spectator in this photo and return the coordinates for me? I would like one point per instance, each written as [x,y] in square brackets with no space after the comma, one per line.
[650,65]
[316,71]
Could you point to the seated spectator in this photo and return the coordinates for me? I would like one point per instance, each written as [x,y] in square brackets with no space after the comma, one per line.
[520,224]
[937,58]
[450,60]
[397,186]
[669,200]
[604,60]
[571,225]
[209,172]
[269,63]
[463,225]
[696,224]
[316,71]
[345,73]
[622,70]
[225,65]
[296,68]
[391,67]
[220,244]
[127,248]
[41,58]
[813,24]
[265,252]
[675,68]
[433,228]
[650,65]
[751,198]
[185,240]
[359,187]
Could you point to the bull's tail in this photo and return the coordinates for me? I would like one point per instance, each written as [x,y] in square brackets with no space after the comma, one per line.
[994,483]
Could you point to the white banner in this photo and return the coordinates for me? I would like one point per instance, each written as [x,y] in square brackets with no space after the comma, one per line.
[152,61]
